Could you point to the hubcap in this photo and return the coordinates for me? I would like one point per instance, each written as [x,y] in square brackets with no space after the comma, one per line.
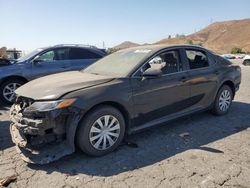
[104,132]
[225,100]
[9,91]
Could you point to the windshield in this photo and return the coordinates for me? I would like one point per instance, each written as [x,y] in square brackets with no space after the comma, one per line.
[119,64]
[29,55]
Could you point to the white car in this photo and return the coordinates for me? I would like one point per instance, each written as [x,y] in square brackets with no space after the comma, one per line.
[228,56]
[239,56]
[246,60]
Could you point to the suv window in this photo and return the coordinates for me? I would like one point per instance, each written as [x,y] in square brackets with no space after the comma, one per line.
[47,56]
[197,59]
[167,62]
[79,53]
[62,54]
[55,54]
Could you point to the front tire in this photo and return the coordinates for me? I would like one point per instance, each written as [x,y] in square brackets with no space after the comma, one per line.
[223,100]
[7,90]
[101,131]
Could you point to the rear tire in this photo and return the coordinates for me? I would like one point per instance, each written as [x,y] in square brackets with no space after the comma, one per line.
[246,62]
[101,131]
[7,89]
[223,101]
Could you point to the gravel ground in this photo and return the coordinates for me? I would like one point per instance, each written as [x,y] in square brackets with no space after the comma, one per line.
[212,152]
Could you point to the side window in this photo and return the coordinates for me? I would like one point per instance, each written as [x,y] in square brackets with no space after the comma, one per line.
[167,62]
[197,59]
[62,54]
[47,56]
[80,53]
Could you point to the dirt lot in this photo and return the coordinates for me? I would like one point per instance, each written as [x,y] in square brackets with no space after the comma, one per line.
[214,153]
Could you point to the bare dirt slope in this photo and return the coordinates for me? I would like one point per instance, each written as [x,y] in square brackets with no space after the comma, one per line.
[126,44]
[220,36]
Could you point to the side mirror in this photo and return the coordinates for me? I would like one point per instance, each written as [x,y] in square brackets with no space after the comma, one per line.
[152,73]
[37,61]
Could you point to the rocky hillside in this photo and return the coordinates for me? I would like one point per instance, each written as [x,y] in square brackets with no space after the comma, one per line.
[220,37]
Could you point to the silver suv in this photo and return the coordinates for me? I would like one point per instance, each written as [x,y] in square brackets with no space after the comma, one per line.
[44,61]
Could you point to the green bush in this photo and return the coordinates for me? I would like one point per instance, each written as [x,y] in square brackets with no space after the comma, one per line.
[111,50]
[236,51]
[190,42]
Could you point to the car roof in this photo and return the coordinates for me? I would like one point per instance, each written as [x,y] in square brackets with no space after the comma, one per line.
[89,47]
[149,50]
[75,45]
[158,47]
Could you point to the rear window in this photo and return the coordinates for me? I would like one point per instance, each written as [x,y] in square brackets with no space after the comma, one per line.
[197,59]
[62,54]
[80,53]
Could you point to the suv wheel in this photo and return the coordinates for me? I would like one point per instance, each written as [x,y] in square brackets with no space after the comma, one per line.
[101,131]
[246,62]
[7,90]
[223,100]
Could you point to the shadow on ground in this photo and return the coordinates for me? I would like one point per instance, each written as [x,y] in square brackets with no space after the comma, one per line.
[5,138]
[3,108]
[157,144]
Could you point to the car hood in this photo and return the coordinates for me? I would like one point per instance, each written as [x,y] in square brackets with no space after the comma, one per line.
[10,65]
[4,63]
[54,86]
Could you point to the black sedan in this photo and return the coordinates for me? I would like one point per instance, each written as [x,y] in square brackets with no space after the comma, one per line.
[122,93]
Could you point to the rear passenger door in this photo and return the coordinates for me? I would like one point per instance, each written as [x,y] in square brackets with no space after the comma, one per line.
[202,77]
[82,57]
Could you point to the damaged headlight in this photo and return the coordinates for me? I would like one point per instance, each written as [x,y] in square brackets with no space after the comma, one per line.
[50,105]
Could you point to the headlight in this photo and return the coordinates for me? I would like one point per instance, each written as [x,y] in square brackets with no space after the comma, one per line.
[50,105]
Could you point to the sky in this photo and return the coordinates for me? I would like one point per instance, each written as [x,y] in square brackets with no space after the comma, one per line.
[30,24]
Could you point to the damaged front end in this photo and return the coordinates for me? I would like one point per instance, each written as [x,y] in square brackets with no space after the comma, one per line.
[44,131]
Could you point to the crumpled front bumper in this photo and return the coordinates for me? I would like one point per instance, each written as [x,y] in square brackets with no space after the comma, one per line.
[41,137]
[42,155]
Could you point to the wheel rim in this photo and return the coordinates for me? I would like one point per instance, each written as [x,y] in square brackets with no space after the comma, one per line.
[9,91]
[225,100]
[104,132]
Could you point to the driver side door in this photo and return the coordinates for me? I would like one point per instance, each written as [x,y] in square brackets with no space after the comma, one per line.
[156,97]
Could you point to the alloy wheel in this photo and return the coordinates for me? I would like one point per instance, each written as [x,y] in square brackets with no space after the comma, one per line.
[9,91]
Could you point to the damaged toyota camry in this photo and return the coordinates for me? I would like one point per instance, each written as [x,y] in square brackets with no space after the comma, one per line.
[127,91]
